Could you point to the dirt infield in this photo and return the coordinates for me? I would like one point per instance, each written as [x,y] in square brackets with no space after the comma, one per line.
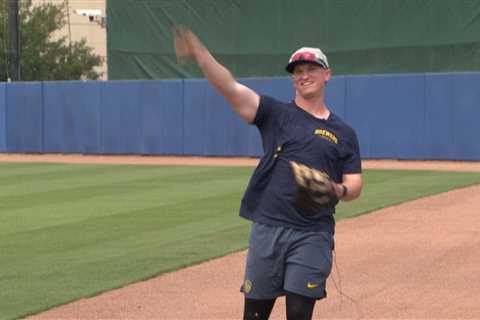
[418,260]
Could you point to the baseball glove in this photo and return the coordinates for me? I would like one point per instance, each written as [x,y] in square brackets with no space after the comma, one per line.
[314,189]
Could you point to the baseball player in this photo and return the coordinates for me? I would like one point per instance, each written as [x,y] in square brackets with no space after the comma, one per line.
[311,162]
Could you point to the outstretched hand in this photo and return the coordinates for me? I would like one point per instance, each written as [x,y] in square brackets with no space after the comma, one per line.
[186,44]
[188,47]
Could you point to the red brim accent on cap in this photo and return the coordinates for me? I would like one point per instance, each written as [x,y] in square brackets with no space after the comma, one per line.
[292,64]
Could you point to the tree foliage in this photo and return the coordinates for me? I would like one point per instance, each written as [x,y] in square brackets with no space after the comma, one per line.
[43,55]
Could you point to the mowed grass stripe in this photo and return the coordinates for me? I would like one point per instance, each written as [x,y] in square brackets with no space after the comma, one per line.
[82,176]
[131,187]
[13,168]
[24,220]
[75,203]
[122,224]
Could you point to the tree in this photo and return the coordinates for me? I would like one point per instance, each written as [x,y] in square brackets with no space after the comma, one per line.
[43,56]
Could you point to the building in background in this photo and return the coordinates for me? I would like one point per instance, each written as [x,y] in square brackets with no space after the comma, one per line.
[85,19]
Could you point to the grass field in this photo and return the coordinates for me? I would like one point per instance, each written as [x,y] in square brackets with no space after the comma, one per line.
[69,231]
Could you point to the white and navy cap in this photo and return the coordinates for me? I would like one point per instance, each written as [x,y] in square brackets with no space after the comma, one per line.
[307,55]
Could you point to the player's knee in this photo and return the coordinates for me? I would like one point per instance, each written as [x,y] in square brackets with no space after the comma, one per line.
[299,307]
[257,309]
[295,312]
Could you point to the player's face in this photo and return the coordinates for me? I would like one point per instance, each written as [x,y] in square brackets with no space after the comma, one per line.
[309,79]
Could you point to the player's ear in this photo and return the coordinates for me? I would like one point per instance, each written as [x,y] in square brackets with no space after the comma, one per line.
[328,74]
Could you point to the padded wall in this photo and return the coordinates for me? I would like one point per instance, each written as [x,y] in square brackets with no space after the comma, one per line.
[416,116]
[121,117]
[465,110]
[388,113]
[161,104]
[3,120]
[72,117]
[24,112]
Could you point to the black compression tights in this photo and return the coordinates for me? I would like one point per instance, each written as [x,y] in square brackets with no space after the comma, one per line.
[257,309]
[298,308]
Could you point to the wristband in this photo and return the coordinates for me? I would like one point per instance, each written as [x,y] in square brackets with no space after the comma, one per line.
[345,190]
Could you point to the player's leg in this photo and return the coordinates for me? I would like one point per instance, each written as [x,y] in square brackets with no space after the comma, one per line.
[299,307]
[264,269]
[308,265]
[257,309]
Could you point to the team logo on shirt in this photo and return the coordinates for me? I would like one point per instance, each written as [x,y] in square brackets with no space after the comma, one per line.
[247,286]
[327,135]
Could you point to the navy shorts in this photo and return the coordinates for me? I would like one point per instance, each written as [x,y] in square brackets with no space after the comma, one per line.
[282,259]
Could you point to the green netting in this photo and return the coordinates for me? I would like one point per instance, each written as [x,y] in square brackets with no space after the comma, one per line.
[254,38]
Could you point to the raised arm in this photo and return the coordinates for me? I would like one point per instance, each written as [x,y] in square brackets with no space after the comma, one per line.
[243,100]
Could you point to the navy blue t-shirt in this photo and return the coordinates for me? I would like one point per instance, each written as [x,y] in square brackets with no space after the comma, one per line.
[289,133]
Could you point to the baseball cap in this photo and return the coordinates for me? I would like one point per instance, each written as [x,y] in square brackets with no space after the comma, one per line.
[309,55]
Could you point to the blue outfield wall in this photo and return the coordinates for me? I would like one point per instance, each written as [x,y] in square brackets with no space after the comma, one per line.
[415,116]
[388,114]
[466,116]
[162,117]
[24,117]
[71,117]
[3,119]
